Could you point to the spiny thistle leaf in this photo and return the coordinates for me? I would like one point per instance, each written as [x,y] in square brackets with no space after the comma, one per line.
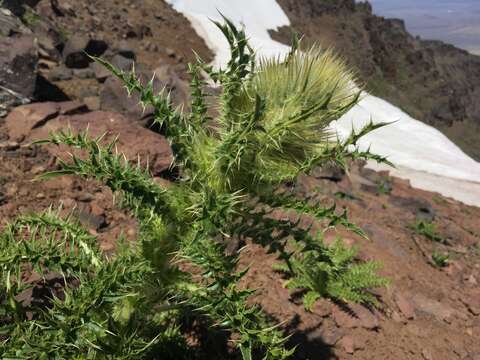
[274,123]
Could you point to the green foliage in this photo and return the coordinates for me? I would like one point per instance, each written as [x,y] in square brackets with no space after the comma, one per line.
[427,229]
[384,186]
[62,299]
[274,124]
[330,271]
[440,260]
[30,17]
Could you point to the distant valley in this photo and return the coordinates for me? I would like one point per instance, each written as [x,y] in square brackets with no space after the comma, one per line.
[452,21]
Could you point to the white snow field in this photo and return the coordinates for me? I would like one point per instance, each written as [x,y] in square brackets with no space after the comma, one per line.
[421,153]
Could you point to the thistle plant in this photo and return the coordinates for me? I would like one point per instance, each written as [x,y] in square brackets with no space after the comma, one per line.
[274,123]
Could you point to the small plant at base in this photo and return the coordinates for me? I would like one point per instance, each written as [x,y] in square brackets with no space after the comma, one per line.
[440,260]
[427,229]
[30,17]
[384,186]
[274,124]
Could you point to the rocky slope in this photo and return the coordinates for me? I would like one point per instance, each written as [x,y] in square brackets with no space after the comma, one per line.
[434,82]
[430,311]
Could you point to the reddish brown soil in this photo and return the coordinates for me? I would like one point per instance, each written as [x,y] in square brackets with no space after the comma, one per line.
[426,312]
[151,28]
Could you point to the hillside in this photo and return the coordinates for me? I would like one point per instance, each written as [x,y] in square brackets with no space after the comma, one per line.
[433,81]
[430,311]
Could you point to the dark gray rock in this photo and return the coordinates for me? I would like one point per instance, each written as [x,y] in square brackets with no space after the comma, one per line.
[101,73]
[122,63]
[77,49]
[329,172]
[18,71]
[125,50]
[18,64]
[18,6]
[86,73]
[10,99]
[425,213]
[10,24]
[96,47]
[422,209]
[74,54]
[114,97]
[60,73]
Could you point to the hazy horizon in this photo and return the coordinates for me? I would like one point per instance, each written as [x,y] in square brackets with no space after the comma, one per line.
[453,21]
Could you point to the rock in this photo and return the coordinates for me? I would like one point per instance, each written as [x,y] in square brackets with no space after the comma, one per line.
[440,311]
[354,316]
[25,118]
[168,79]
[322,307]
[405,306]
[425,213]
[170,52]
[76,50]
[9,99]
[71,107]
[329,172]
[125,50]
[40,196]
[396,317]
[97,209]
[63,8]
[90,220]
[36,121]
[48,37]
[96,47]
[92,102]
[38,169]
[113,96]
[471,280]
[422,209]
[18,71]
[85,197]
[67,203]
[427,354]
[101,73]
[9,145]
[472,302]
[10,24]
[383,238]
[348,344]
[60,73]
[86,73]
[14,6]
[22,120]
[122,63]
[327,334]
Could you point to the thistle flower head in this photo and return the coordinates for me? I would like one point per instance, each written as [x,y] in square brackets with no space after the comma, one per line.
[293,101]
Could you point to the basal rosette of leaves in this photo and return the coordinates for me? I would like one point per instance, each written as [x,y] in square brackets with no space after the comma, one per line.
[273,124]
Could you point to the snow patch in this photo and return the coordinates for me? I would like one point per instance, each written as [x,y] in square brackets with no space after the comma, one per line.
[421,153]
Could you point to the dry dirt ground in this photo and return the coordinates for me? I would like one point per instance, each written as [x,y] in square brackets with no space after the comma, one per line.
[427,312]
